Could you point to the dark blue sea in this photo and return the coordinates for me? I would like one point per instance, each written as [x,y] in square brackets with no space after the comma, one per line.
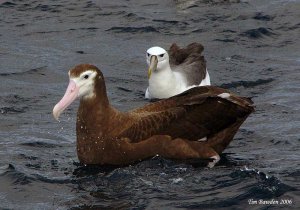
[252,47]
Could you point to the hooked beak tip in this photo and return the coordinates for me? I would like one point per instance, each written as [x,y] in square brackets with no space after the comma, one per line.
[56,113]
[56,118]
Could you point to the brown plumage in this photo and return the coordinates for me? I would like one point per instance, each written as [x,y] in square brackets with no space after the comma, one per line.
[171,128]
[189,61]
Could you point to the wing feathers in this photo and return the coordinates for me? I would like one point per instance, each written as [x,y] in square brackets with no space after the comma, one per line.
[197,113]
[188,62]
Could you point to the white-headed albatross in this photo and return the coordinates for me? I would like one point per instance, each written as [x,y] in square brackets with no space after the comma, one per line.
[176,71]
[199,123]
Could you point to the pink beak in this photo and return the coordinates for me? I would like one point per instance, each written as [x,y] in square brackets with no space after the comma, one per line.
[70,95]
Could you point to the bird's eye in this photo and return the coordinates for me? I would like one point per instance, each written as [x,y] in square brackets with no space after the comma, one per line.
[161,55]
[148,54]
[86,76]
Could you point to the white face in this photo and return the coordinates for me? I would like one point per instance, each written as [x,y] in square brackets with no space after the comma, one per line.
[85,82]
[162,57]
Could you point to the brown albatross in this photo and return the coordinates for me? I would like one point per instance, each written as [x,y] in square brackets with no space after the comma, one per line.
[176,71]
[199,123]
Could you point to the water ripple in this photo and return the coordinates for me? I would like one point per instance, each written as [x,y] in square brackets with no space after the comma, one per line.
[143,29]
[258,33]
[246,84]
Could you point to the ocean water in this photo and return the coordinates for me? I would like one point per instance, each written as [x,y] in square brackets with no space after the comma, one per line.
[252,47]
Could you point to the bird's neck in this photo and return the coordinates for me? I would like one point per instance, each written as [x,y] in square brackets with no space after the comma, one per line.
[162,77]
[162,82]
[96,118]
[92,116]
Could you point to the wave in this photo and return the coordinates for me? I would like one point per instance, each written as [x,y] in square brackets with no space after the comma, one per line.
[40,144]
[258,33]
[144,29]
[246,84]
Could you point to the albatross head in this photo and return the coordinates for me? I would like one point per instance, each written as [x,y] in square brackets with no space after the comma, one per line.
[83,79]
[157,60]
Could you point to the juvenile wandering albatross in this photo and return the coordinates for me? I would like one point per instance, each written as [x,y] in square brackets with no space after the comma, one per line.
[175,72]
[199,123]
